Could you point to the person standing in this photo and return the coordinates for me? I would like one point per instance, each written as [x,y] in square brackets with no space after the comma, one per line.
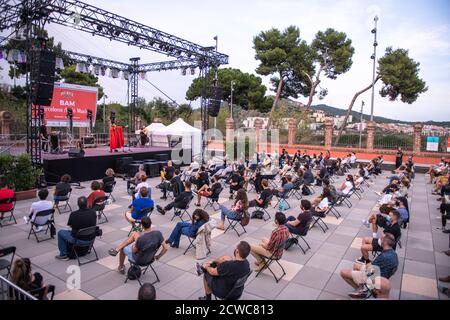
[398,158]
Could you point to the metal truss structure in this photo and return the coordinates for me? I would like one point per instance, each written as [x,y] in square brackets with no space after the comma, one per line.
[21,16]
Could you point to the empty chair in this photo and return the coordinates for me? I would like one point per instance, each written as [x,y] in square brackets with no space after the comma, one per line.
[5,262]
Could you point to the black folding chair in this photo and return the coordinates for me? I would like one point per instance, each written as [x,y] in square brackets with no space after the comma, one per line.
[263,208]
[297,190]
[237,290]
[269,260]
[180,212]
[233,224]
[108,188]
[319,221]
[99,206]
[79,243]
[296,236]
[49,223]
[192,245]
[284,196]
[43,292]
[11,212]
[136,226]
[7,263]
[63,198]
[213,199]
[143,266]
[333,210]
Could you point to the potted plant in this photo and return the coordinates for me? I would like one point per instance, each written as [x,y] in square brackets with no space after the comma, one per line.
[20,175]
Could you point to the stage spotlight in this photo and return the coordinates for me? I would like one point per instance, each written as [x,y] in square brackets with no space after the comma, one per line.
[192,71]
[117,33]
[183,71]
[136,39]
[99,27]
[179,52]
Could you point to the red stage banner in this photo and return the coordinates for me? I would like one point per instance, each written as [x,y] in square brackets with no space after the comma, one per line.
[79,98]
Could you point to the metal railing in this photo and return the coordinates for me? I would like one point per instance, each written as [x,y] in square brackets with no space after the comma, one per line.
[9,291]
[392,141]
[14,144]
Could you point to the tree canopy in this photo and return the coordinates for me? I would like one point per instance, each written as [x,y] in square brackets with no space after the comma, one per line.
[69,75]
[249,92]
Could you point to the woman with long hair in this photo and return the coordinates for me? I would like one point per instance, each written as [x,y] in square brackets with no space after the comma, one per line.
[346,186]
[22,276]
[199,218]
[240,205]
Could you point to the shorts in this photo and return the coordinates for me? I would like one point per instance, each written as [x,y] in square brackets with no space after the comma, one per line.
[129,252]
[204,194]
[376,247]
[359,276]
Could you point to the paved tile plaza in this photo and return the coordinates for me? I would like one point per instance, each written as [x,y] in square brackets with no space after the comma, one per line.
[314,275]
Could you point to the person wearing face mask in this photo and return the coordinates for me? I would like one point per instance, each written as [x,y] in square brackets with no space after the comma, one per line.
[389,223]
[220,275]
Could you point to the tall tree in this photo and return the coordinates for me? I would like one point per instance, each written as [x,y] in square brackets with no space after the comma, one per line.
[249,92]
[333,54]
[288,59]
[400,76]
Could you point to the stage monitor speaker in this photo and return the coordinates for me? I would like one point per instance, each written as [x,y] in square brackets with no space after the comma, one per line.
[162,157]
[43,76]
[122,164]
[76,152]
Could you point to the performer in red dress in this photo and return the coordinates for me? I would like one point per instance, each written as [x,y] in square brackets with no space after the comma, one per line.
[116,139]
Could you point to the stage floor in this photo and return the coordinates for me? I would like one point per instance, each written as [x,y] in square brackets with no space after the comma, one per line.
[104,151]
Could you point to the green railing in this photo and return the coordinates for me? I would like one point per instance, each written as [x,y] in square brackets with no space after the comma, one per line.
[393,141]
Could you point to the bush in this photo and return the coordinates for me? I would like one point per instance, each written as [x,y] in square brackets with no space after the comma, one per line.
[19,172]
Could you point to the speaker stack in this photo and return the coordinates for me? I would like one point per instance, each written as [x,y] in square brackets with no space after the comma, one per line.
[43,76]
[214,101]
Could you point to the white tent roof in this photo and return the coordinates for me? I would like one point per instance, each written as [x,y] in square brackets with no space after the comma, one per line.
[155,126]
[179,127]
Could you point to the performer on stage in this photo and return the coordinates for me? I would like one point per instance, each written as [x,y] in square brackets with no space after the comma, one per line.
[144,136]
[116,139]
[44,137]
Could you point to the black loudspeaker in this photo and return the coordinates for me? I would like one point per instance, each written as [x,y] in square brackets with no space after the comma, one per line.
[43,76]
[214,101]
[76,153]
[122,164]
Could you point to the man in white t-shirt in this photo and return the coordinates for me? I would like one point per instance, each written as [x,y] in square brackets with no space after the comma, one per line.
[39,206]
[353,159]
[142,184]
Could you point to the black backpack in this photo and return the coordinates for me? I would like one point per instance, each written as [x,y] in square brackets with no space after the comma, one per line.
[306,191]
[134,272]
[258,215]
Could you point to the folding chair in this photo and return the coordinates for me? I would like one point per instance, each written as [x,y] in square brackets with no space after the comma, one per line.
[294,237]
[11,212]
[233,223]
[237,290]
[136,225]
[284,197]
[86,232]
[192,245]
[5,263]
[99,206]
[319,221]
[213,199]
[297,190]
[345,199]
[264,208]
[63,198]
[109,188]
[43,292]
[333,210]
[180,212]
[143,266]
[310,187]
[49,223]
[269,260]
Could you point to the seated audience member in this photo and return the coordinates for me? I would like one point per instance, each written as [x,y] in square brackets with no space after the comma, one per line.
[5,193]
[240,205]
[80,219]
[308,176]
[138,204]
[220,275]
[167,172]
[272,246]
[237,182]
[265,194]
[62,188]
[181,201]
[199,218]
[109,178]
[96,193]
[445,207]
[142,184]
[207,191]
[300,224]
[174,184]
[187,173]
[147,292]
[137,177]
[386,265]
[201,178]
[346,187]
[284,189]
[140,248]
[38,206]
[23,277]
[389,224]
[321,209]
[402,208]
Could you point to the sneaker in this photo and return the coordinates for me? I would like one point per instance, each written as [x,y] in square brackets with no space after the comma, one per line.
[446,231]
[39,229]
[160,209]
[378,193]
[445,279]
[366,223]
[361,260]
[62,258]
[358,294]
[200,269]
[27,220]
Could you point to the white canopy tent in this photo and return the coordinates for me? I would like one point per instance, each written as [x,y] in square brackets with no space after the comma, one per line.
[191,136]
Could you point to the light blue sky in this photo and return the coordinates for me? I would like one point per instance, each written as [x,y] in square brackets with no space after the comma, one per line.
[421,26]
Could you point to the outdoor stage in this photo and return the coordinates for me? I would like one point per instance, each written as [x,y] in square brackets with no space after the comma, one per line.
[95,162]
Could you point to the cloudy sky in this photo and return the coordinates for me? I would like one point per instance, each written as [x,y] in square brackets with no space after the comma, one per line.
[422,26]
